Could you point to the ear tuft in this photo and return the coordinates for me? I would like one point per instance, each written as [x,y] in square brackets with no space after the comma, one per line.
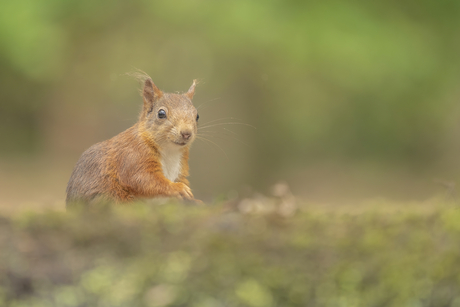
[151,92]
[148,92]
[191,90]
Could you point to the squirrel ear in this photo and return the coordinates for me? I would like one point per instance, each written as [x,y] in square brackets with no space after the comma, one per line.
[151,92]
[191,90]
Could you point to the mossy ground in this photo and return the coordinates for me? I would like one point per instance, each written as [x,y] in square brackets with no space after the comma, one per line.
[217,255]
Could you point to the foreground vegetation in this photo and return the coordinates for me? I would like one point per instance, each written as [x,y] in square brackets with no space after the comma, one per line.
[231,255]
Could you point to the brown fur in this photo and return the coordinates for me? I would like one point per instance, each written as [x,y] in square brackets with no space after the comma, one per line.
[128,166]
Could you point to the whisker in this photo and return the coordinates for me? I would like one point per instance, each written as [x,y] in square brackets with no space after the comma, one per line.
[226,139]
[206,133]
[230,131]
[206,102]
[205,139]
[234,136]
[213,133]
[218,132]
[233,123]
[219,119]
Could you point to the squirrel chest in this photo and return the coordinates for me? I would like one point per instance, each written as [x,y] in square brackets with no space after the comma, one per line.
[171,162]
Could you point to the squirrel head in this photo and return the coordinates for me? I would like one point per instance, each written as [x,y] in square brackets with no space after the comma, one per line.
[169,119]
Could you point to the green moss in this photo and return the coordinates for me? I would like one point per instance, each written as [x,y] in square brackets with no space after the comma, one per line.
[180,255]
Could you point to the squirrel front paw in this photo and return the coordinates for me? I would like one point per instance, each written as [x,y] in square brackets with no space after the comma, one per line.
[182,191]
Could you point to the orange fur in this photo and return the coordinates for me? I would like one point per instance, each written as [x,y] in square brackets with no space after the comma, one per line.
[130,165]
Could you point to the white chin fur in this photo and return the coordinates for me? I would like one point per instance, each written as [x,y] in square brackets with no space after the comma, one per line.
[171,161]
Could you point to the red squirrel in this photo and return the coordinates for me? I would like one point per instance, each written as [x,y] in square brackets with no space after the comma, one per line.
[148,160]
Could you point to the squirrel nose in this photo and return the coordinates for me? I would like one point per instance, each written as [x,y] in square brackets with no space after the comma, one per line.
[186,134]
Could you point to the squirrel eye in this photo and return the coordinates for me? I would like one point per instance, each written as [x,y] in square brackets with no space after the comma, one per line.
[161,113]
[197,117]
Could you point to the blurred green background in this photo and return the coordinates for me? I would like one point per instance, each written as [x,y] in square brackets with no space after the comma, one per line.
[349,99]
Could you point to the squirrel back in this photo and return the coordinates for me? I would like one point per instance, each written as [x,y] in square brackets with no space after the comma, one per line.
[150,159]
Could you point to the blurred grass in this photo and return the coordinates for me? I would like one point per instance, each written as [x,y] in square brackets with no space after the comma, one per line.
[386,254]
